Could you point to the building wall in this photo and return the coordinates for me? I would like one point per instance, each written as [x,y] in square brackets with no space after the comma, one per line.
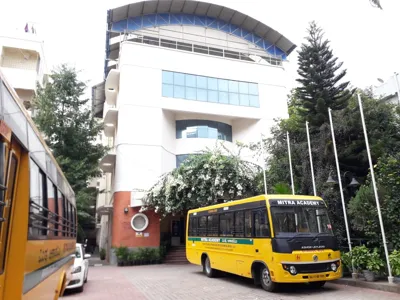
[146,140]
[122,232]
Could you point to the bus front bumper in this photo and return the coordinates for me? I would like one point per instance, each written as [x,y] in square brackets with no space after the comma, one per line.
[280,275]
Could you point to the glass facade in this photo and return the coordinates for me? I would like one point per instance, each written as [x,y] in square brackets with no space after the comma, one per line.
[189,129]
[209,89]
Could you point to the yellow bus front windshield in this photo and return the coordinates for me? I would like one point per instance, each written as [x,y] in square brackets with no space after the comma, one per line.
[288,221]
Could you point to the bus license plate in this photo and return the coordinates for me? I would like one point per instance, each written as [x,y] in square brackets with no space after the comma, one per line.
[316,277]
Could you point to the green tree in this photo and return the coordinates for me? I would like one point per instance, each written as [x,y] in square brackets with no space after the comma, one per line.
[70,130]
[320,78]
[383,124]
[363,210]
[204,179]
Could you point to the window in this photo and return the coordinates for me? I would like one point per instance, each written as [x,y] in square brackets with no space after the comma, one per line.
[239,224]
[293,219]
[78,252]
[202,229]
[226,224]
[186,129]
[3,169]
[209,89]
[247,224]
[261,224]
[61,215]
[192,226]
[69,206]
[66,216]
[139,222]
[74,221]
[6,210]
[212,225]
[38,205]
[53,208]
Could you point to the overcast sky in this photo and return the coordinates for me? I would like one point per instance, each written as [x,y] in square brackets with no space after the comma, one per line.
[366,39]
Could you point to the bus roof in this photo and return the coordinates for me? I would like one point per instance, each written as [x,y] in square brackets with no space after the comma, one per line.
[258,198]
[23,128]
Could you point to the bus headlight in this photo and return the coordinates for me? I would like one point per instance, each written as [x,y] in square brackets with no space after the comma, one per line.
[292,270]
[334,267]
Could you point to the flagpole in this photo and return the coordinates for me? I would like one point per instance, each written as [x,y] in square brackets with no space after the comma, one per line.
[340,184]
[290,161]
[311,162]
[371,167]
[263,166]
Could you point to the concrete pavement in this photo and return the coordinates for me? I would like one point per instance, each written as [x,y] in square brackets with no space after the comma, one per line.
[186,282]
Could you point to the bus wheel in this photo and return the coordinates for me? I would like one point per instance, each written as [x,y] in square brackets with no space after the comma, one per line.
[317,284]
[266,281]
[210,272]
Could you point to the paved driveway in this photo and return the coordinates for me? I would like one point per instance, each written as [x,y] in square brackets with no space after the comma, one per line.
[186,282]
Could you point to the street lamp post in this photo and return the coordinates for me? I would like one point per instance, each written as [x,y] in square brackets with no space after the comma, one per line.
[311,162]
[340,185]
[371,167]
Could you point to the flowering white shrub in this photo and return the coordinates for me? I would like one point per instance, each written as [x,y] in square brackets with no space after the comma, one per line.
[203,179]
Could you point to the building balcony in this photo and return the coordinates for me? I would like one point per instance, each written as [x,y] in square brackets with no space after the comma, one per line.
[107,163]
[21,78]
[110,122]
[111,87]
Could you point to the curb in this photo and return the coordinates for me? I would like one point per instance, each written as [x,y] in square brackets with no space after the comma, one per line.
[381,286]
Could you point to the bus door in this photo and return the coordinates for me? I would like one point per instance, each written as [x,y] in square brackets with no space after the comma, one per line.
[10,153]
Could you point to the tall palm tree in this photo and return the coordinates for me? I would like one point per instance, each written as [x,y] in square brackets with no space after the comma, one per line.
[376,3]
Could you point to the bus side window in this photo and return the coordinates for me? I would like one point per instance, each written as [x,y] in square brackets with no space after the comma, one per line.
[52,204]
[212,225]
[61,228]
[239,224]
[261,224]
[248,224]
[2,180]
[193,226]
[38,205]
[73,221]
[202,229]
[226,224]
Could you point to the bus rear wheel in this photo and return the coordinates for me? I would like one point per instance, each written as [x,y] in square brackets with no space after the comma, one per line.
[210,272]
[266,281]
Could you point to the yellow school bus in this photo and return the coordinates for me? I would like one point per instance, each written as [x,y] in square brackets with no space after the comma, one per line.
[273,239]
[38,223]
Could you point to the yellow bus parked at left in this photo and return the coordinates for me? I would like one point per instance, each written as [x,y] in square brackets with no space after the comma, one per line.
[38,223]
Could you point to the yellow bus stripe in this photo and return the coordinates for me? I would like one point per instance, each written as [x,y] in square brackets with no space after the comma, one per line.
[32,279]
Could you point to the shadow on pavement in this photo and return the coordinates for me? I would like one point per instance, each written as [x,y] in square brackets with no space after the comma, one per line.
[284,289]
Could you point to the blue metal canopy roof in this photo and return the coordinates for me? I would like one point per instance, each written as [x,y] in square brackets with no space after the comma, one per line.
[154,13]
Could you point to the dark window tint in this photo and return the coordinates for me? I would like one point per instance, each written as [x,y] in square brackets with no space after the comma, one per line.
[261,224]
[61,213]
[202,229]
[212,225]
[247,224]
[226,224]
[239,224]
